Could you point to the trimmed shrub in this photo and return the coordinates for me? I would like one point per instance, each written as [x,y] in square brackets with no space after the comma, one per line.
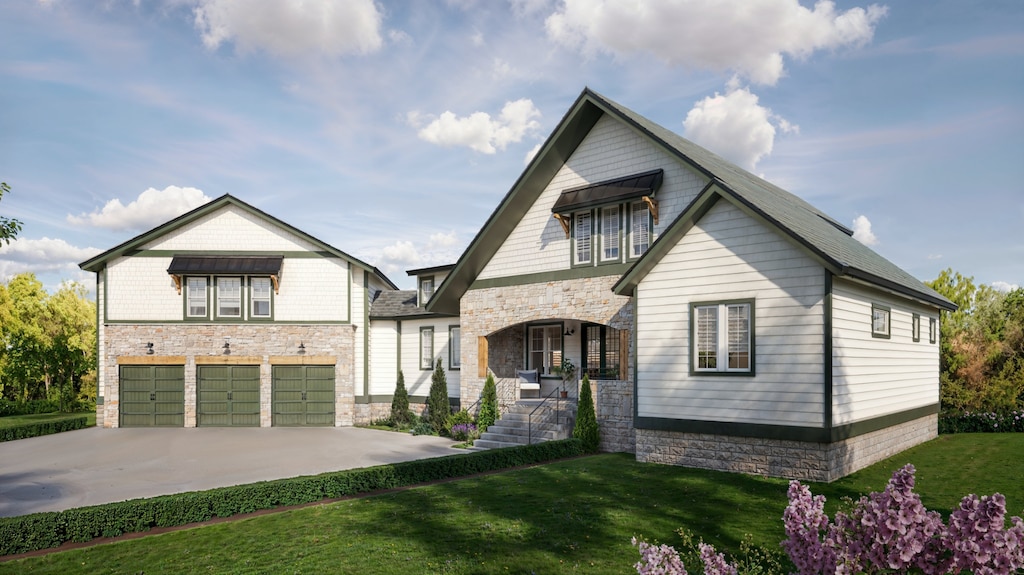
[489,412]
[981,422]
[32,407]
[400,414]
[459,417]
[44,530]
[586,429]
[438,408]
[42,428]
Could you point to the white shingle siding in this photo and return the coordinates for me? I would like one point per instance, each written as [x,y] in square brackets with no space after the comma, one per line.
[314,289]
[231,228]
[139,289]
[729,255]
[876,376]
[417,380]
[611,150]
[383,357]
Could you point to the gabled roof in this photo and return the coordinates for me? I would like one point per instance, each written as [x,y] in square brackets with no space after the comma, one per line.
[398,305]
[828,240]
[98,262]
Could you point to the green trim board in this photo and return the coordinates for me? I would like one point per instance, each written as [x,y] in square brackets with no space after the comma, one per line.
[588,271]
[784,432]
[826,360]
[366,332]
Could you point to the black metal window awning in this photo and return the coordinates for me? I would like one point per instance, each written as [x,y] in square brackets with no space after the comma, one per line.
[226,265]
[641,186]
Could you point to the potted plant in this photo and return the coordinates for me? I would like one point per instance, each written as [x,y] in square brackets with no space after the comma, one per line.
[568,371]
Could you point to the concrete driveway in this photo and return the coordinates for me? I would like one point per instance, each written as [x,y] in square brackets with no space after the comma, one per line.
[93,466]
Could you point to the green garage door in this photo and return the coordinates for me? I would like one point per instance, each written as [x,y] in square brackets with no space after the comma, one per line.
[152,396]
[303,395]
[229,395]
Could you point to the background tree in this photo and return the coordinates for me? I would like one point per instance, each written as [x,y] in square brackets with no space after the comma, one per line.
[400,414]
[488,405]
[9,228]
[438,408]
[586,429]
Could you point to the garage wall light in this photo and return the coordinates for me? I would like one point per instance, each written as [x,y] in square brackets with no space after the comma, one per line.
[149,348]
[227,348]
[302,348]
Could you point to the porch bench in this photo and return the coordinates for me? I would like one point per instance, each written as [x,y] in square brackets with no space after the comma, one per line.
[529,380]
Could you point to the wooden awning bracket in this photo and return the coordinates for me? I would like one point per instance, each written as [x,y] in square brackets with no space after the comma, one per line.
[177,282]
[277,285]
[652,205]
[565,221]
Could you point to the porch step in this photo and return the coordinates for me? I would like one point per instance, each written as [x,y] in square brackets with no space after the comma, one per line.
[514,427]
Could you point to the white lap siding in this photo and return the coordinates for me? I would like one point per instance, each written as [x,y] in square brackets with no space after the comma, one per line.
[871,376]
[728,256]
[383,357]
[611,150]
[417,380]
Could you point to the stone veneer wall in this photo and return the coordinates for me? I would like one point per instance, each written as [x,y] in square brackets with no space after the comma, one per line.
[247,340]
[613,402]
[777,458]
[367,413]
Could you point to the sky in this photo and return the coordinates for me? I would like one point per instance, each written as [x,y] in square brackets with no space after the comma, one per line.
[391,130]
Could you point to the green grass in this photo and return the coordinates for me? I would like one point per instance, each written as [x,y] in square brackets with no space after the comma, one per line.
[16,420]
[571,516]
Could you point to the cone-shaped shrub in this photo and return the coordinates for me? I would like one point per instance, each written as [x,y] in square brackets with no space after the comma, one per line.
[400,414]
[438,408]
[488,405]
[586,429]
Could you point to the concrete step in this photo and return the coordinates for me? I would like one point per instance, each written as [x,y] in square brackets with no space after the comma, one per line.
[524,430]
[520,437]
[487,444]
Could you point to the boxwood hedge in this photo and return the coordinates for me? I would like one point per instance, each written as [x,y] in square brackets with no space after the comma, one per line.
[42,428]
[51,529]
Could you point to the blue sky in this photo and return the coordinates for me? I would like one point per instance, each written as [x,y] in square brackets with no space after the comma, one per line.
[391,130]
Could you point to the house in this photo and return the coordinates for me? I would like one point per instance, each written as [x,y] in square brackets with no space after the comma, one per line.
[723,322]
[227,316]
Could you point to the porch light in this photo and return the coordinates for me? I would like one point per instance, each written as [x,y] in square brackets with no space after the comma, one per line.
[302,348]
[569,331]
[227,348]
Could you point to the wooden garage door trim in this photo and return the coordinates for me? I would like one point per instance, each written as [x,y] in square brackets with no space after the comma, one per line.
[297,403]
[158,397]
[228,396]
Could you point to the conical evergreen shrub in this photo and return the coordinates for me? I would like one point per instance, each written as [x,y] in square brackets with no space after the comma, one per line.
[400,414]
[488,405]
[586,429]
[438,408]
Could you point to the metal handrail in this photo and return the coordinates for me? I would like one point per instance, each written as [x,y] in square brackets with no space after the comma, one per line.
[529,421]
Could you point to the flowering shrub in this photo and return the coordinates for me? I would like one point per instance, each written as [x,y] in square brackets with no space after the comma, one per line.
[981,422]
[463,431]
[887,532]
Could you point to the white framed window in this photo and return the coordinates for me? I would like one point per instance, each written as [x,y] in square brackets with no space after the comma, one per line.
[454,347]
[426,348]
[582,237]
[880,321]
[196,297]
[229,297]
[259,298]
[722,337]
[640,229]
[611,236]
[545,348]
[426,290]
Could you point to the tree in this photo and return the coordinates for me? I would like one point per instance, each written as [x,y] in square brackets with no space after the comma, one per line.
[70,330]
[400,414]
[9,228]
[438,408]
[586,429]
[488,405]
[24,373]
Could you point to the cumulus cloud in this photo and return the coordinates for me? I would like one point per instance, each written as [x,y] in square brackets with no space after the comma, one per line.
[1004,287]
[440,249]
[479,131]
[291,27]
[735,126]
[153,207]
[862,231]
[41,256]
[532,153]
[749,37]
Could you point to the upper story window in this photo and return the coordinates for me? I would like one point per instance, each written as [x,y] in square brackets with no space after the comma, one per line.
[611,238]
[260,298]
[195,297]
[229,297]
[232,298]
[426,290]
[722,337]
[933,329]
[915,327]
[640,229]
[880,321]
[544,352]
[582,240]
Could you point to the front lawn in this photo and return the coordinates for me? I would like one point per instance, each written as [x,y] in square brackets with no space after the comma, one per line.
[571,516]
[16,420]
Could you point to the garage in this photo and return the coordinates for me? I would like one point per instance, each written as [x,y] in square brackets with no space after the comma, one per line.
[152,395]
[303,395]
[228,396]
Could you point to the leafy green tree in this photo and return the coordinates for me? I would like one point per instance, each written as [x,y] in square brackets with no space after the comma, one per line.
[400,414]
[25,342]
[9,228]
[438,408]
[70,332]
[586,429]
[488,405]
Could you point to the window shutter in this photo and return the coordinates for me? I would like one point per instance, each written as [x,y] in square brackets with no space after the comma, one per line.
[481,356]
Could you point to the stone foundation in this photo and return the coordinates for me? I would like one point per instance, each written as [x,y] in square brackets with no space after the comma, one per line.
[613,403]
[777,458]
[367,413]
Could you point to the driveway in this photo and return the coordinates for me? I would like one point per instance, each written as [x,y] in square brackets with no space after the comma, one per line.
[96,465]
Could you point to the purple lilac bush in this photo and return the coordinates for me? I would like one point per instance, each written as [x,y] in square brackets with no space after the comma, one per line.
[463,431]
[886,532]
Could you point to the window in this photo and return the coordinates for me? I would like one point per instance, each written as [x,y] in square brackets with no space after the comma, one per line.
[426,348]
[640,229]
[196,297]
[915,327]
[426,290]
[722,336]
[260,298]
[610,236]
[229,297]
[880,321]
[932,329]
[545,349]
[582,239]
[601,352]
[454,347]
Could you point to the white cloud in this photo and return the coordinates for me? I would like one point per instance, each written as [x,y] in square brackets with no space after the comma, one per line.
[862,231]
[153,207]
[746,36]
[45,255]
[735,126]
[291,27]
[1004,287]
[479,131]
[532,153]
[443,240]
[441,248]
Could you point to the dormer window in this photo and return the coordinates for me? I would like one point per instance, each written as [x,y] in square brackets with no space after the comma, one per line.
[426,290]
